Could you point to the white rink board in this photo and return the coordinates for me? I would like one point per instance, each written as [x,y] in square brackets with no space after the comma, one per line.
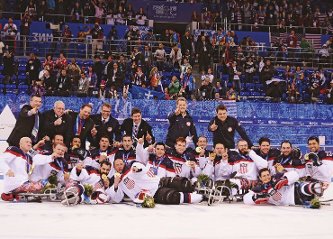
[52,220]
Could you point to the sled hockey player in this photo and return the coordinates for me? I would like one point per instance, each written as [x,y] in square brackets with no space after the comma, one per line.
[218,167]
[101,154]
[318,163]
[87,184]
[56,168]
[16,163]
[282,189]
[184,161]
[118,168]
[214,181]
[76,154]
[127,152]
[266,151]
[142,186]
[245,166]
[46,147]
[288,160]
[155,159]
[201,151]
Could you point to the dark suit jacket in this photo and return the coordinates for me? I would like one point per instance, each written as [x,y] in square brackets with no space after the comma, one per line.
[24,126]
[85,131]
[144,128]
[66,83]
[118,81]
[50,129]
[111,128]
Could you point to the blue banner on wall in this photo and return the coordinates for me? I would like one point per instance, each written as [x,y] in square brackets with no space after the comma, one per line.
[295,122]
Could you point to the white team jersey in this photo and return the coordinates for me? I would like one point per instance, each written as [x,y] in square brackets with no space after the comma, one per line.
[89,176]
[161,169]
[43,171]
[202,161]
[323,173]
[182,169]
[81,177]
[88,161]
[14,159]
[220,171]
[248,167]
[282,197]
[134,183]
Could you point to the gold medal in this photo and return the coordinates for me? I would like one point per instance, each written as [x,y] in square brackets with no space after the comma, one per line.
[104,177]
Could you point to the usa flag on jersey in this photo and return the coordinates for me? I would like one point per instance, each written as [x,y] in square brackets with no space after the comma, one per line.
[277,196]
[243,168]
[151,173]
[178,168]
[129,183]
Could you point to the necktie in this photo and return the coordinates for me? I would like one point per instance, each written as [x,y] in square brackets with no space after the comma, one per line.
[35,129]
[79,127]
[135,131]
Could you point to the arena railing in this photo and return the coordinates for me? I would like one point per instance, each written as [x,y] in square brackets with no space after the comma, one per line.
[270,28]
[78,47]
[82,48]
[61,18]
[291,56]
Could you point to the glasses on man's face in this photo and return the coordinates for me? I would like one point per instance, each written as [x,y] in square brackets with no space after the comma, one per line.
[106,111]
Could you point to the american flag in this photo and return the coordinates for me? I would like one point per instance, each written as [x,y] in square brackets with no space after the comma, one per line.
[243,168]
[277,196]
[151,173]
[178,167]
[314,39]
[129,183]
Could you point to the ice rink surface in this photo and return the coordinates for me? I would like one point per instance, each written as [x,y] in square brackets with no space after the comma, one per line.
[235,220]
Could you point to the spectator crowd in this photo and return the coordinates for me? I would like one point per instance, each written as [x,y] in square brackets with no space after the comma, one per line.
[166,62]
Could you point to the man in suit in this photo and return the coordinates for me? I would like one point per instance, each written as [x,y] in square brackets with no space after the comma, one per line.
[105,124]
[57,121]
[138,128]
[82,125]
[63,84]
[28,123]
[115,78]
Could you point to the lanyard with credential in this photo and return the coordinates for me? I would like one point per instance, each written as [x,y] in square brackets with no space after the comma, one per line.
[60,164]
[284,161]
[125,157]
[156,166]
[28,165]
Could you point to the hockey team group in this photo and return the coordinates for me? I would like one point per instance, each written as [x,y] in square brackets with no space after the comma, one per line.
[49,159]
